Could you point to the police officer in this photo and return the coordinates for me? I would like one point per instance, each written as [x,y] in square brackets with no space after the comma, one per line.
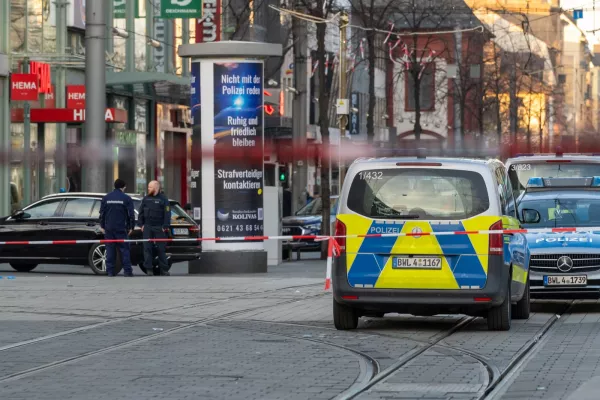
[117,220]
[155,219]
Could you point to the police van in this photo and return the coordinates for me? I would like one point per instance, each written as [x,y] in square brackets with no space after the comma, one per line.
[563,264]
[474,274]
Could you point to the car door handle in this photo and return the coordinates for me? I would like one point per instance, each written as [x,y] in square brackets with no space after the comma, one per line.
[42,223]
[92,224]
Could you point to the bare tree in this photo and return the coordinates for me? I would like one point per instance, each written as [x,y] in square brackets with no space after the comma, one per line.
[373,15]
[420,50]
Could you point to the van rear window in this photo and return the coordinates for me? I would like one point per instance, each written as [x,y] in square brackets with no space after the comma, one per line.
[418,193]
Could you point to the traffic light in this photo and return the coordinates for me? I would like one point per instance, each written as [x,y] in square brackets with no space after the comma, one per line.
[283,175]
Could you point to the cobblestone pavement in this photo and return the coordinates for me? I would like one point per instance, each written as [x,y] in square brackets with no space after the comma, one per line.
[67,334]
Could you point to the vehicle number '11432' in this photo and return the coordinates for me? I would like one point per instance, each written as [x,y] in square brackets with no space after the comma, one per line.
[417,262]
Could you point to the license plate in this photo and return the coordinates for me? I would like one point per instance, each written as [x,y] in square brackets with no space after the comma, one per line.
[180,231]
[559,280]
[417,262]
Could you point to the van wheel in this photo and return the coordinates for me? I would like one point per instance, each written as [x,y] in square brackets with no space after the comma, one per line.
[19,267]
[97,260]
[344,317]
[521,309]
[499,318]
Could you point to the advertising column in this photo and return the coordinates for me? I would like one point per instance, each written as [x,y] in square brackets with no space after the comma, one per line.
[238,122]
[227,164]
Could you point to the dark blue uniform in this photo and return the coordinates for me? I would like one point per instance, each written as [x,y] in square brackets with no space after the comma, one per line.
[117,218]
[155,217]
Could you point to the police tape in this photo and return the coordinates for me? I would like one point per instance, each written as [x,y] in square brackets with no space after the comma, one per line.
[415,233]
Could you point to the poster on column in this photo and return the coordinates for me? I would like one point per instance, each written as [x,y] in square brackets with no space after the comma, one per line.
[195,178]
[238,121]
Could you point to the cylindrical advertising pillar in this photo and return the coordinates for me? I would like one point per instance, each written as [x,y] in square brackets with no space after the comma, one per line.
[228,154]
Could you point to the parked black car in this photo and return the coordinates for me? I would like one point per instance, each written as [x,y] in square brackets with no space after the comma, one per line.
[306,221]
[76,216]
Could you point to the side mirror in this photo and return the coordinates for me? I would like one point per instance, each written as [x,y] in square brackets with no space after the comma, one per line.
[530,216]
[19,214]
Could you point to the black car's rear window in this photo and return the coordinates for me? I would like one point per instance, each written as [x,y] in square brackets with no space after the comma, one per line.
[418,193]
[178,214]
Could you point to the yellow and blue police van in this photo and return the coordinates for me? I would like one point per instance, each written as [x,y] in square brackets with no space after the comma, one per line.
[381,271]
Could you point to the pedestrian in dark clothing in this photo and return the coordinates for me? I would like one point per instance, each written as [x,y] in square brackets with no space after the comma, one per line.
[117,220]
[155,219]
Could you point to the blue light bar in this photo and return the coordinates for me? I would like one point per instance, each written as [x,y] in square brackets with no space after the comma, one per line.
[550,183]
[535,183]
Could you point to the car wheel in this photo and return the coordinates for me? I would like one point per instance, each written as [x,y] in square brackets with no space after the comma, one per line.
[19,267]
[499,318]
[344,317]
[522,308]
[97,260]
[286,254]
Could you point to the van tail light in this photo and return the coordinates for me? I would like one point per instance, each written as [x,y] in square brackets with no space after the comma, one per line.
[340,230]
[496,240]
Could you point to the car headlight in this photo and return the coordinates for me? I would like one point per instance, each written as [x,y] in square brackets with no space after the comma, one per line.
[313,227]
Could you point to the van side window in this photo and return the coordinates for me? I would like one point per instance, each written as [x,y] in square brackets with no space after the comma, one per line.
[500,180]
[510,199]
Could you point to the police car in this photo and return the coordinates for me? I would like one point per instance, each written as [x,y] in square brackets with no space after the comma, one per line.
[525,166]
[475,274]
[563,264]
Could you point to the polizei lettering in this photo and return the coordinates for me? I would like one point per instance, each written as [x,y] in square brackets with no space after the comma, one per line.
[564,239]
[385,229]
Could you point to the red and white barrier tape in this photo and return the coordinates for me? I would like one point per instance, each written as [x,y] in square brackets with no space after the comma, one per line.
[303,237]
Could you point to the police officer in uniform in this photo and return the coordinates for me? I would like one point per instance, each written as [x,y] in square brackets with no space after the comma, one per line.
[117,220]
[155,220]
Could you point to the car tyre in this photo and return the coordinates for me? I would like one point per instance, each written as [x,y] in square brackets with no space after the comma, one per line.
[21,267]
[286,254]
[97,260]
[344,317]
[522,308]
[499,317]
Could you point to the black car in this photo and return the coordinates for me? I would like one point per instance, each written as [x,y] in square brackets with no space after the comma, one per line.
[76,216]
[306,221]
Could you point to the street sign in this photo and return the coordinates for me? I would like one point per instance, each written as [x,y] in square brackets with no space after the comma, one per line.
[24,87]
[76,96]
[120,9]
[577,14]
[180,9]
[343,106]
[354,126]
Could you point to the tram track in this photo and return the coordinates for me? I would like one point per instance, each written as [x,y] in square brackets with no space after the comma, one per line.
[496,376]
[143,315]
[166,332]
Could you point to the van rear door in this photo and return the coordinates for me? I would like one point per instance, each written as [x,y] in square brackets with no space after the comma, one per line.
[414,200]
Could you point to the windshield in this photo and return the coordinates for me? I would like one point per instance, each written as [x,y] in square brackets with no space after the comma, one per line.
[315,207]
[521,172]
[178,214]
[418,193]
[563,213]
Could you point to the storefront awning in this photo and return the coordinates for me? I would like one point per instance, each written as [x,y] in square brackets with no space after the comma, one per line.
[65,115]
[167,88]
